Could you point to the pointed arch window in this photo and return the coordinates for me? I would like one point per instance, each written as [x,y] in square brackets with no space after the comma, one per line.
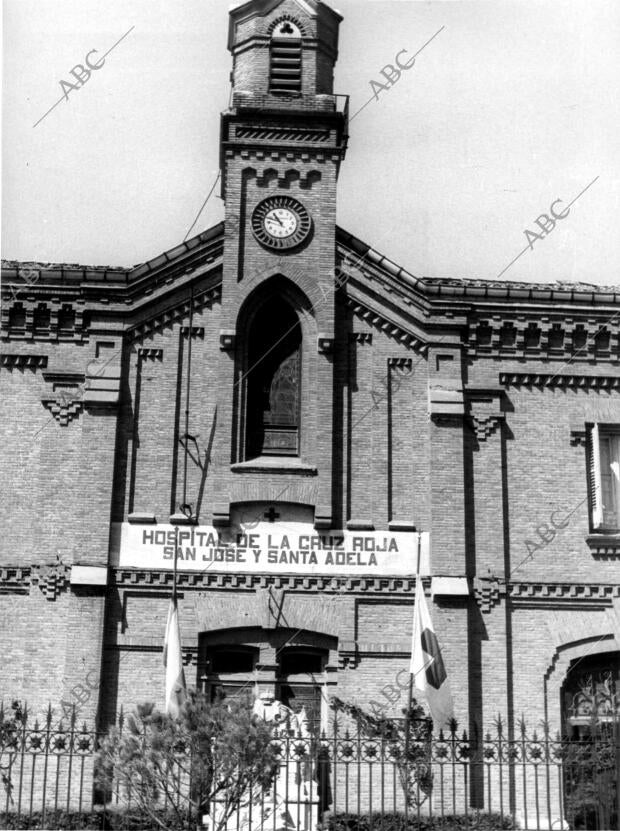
[274,382]
[285,59]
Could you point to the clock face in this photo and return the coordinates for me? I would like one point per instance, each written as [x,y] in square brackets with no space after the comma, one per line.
[280,222]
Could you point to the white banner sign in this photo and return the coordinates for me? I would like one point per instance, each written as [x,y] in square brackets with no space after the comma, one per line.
[269,548]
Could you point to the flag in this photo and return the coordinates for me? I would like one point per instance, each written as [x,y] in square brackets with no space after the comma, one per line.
[427,668]
[173,662]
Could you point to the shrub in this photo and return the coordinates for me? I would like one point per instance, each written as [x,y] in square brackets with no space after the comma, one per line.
[10,731]
[398,822]
[213,754]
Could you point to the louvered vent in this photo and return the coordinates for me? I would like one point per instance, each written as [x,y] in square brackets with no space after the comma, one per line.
[285,66]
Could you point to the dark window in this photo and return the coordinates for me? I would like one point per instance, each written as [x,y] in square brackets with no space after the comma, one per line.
[41,319]
[17,317]
[300,683]
[273,382]
[297,661]
[229,670]
[229,659]
[66,319]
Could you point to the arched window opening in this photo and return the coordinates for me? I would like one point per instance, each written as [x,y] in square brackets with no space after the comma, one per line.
[591,756]
[591,695]
[285,59]
[274,382]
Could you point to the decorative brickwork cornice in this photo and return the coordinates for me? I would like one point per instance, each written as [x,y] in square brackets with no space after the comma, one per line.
[604,546]
[197,331]
[267,174]
[564,591]
[584,339]
[382,324]
[175,314]
[14,578]
[63,411]
[281,134]
[578,435]
[250,582]
[484,426]
[150,354]
[580,381]
[51,579]
[400,363]
[51,302]
[32,362]
[31,319]
[487,591]
[485,410]
[66,400]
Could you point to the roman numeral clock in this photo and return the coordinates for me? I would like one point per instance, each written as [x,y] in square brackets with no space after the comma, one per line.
[281,222]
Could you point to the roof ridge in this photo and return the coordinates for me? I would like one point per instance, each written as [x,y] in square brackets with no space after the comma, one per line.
[474,282]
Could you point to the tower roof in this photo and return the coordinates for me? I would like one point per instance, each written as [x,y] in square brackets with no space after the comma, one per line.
[255,8]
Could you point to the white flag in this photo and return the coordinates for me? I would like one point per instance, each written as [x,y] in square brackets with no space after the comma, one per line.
[429,674]
[173,662]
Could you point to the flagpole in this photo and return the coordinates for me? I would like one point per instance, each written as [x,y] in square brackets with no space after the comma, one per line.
[174,572]
[407,714]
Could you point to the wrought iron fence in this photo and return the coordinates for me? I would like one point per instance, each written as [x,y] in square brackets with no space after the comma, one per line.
[340,779]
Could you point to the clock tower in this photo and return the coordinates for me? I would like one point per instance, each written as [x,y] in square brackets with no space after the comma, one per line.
[282,143]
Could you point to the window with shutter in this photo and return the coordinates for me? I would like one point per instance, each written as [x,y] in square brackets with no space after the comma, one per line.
[285,68]
[285,59]
[603,449]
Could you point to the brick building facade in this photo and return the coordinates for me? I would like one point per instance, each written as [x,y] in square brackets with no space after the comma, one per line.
[292,409]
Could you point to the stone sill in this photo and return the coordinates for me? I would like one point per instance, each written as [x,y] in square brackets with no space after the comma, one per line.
[275,464]
[604,544]
[141,518]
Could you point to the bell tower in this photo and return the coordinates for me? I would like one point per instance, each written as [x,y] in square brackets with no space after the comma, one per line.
[282,142]
[284,135]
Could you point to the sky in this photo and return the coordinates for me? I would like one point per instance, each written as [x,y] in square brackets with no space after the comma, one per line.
[509,107]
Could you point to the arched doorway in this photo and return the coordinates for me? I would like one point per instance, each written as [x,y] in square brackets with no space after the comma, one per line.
[298,668]
[591,724]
